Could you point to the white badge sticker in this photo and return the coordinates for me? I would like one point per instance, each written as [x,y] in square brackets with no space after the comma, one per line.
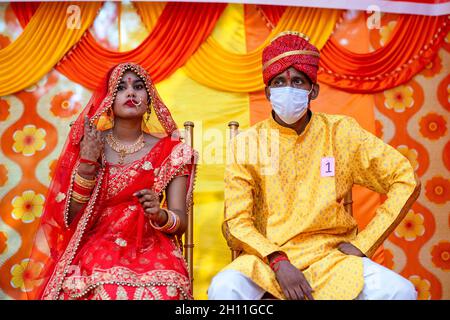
[327,167]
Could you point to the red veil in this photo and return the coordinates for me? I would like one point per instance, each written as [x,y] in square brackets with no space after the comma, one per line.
[51,253]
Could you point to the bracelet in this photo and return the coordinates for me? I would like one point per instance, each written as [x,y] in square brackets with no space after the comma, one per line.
[86,183]
[95,163]
[79,198]
[167,225]
[172,224]
[176,224]
[274,262]
[82,190]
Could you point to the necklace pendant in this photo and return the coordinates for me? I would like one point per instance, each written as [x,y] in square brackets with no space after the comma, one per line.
[122,157]
[122,149]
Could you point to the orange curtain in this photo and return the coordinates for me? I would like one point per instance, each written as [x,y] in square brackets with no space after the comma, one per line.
[271,14]
[178,33]
[414,43]
[48,36]
[237,72]
[180,30]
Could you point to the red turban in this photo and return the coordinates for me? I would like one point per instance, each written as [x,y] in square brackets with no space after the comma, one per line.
[290,49]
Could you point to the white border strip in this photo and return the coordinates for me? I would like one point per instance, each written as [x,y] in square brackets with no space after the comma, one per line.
[404,7]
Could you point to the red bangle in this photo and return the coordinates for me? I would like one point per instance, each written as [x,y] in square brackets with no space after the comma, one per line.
[81,190]
[277,259]
[95,163]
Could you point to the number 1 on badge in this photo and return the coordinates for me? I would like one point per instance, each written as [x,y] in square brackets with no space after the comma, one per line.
[327,167]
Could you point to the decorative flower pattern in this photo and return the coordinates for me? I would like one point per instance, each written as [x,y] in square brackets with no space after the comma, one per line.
[24,274]
[422,287]
[433,126]
[28,207]
[440,255]
[433,68]
[399,98]
[437,190]
[64,105]
[29,140]
[411,226]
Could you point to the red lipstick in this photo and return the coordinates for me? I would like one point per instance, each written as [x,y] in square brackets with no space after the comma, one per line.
[131,103]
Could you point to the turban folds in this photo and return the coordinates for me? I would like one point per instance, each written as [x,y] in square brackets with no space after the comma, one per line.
[290,49]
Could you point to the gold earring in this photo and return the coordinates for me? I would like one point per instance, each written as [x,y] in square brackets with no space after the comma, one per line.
[149,111]
[110,116]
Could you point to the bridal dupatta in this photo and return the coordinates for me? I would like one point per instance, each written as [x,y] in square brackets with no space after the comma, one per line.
[110,245]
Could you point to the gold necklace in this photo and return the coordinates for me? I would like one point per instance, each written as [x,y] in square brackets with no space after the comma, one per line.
[123,149]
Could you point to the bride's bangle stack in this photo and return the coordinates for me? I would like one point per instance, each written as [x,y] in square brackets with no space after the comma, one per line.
[82,189]
[172,224]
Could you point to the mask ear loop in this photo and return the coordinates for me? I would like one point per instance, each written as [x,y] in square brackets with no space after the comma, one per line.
[309,92]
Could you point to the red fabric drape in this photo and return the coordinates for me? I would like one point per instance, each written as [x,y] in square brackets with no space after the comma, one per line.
[180,30]
[24,11]
[271,13]
[413,45]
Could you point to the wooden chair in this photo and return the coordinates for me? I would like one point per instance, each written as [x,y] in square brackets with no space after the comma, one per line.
[188,241]
[348,200]
[234,130]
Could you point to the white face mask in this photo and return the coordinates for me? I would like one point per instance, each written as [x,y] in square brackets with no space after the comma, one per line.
[290,104]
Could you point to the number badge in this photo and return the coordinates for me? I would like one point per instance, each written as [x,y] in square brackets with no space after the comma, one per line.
[327,167]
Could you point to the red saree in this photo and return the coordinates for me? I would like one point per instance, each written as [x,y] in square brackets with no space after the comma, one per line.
[110,250]
[116,260]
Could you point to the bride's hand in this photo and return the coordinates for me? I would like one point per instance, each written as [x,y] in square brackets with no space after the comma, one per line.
[92,144]
[150,202]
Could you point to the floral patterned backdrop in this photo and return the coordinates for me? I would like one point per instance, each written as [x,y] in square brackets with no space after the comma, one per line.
[412,117]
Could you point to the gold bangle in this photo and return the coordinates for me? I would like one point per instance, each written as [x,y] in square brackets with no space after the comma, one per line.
[168,223]
[176,225]
[86,183]
[79,198]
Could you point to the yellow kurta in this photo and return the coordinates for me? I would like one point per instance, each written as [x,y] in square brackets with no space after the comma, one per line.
[291,200]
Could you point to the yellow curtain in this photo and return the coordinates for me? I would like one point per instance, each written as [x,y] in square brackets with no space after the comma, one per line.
[221,69]
[51,32]
[210,110]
